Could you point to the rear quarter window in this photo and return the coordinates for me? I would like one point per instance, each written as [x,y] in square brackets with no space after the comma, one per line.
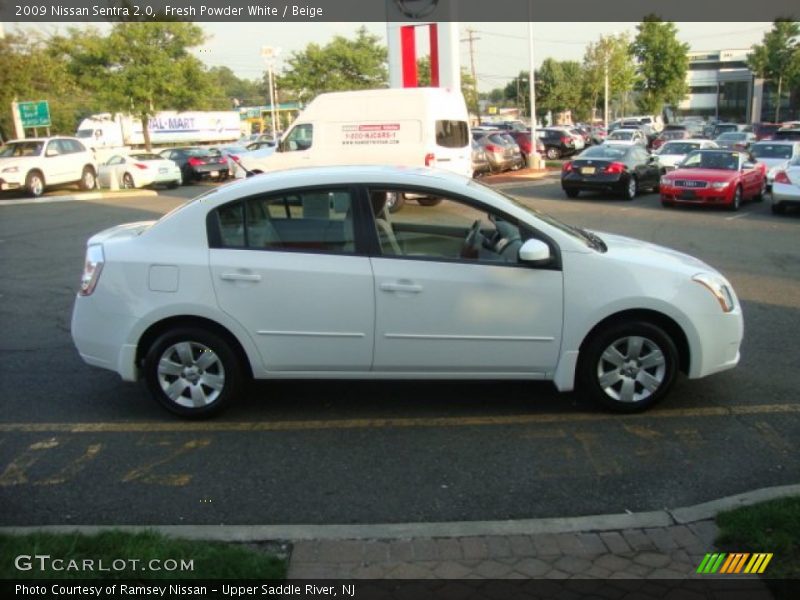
[452,134]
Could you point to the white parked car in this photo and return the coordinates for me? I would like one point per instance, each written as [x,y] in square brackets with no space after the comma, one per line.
[673,152]
[302,274]
[776,155]
[626,136]
[251,160]
[139,170]
[786,187]
[35,164]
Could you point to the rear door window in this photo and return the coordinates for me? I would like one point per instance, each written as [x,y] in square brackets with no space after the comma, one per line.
[452,134]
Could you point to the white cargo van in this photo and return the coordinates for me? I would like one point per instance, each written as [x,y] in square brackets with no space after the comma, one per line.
[406,126]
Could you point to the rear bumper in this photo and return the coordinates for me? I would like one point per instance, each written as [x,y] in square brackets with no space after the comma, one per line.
[785,194]
[608,183]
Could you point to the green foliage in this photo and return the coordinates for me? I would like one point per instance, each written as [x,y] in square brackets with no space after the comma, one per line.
[558,88]
[211,560]
[29,73]
[662,63]
[614,50]
[342,64]
[226,86]
[777,58]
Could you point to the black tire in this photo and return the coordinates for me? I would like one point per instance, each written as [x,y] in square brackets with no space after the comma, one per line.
[88,179]
[553,153]
[186,177]
[127,182]
[428,201]
[34,184]
[778,208]
[591,365]
[631,188]
[226,366]
[394,201]
[173,184]
[571,193]
[736,203]
[667,204]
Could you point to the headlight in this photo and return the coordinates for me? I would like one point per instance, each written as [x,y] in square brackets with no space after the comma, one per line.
[11,170]
[720,185]
[666,181]
[719,287]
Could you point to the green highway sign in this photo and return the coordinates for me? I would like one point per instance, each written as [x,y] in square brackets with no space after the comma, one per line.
[34,114]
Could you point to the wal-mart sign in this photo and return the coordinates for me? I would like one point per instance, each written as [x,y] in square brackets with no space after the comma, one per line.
[34,114]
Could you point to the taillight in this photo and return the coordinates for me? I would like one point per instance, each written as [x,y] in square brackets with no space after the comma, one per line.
[781,177]
[139,166]
[91,270]
[194,161]
[566,140]
[493,148]
[430,159]
[567,166]
[233,157]
[615,167]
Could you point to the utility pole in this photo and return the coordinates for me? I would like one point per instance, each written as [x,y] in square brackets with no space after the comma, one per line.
[606,49]
[534,160]
[471,39]
[270,56]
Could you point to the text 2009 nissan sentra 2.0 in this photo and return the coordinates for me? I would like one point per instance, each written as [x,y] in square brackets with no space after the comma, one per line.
[304,274]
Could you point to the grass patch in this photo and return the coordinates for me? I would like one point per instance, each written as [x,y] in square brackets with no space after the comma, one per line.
[210,560]
[553,164]
[772,526]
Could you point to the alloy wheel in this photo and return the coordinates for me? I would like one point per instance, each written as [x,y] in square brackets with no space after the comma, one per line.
[631,369]
[191,374]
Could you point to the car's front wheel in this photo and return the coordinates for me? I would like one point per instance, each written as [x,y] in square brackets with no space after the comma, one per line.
[628,367]
[736,202]
[193,372]
[88,179]
[34,184]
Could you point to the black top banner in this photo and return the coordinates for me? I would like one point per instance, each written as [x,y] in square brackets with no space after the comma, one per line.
[279,11]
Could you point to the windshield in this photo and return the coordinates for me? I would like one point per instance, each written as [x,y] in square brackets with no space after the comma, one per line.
[723,128]
[602,151]
[725,161]
[772,151]
[732,136]
[621,135]
[22,149]
[589,239]
[678,148]
[85,133]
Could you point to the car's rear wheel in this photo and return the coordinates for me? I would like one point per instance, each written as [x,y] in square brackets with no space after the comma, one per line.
[631,189]
[88,179]
[778,208]
[736,202]
[552,153]
[394,201]
[127,181]
[34,184]
[571,193]
[193,372]
[628,366]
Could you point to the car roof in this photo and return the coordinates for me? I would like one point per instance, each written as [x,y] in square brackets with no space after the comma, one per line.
[777,142]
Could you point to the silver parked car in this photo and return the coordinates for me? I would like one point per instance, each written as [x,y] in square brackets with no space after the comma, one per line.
[786,187]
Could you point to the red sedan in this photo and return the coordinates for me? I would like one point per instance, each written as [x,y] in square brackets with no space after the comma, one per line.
[716,177]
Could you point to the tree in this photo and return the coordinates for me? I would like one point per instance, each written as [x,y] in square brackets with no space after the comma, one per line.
[30,72]
[341,65]
[468,88]
[615,52]
[227,87]
[662,64]
[777,58]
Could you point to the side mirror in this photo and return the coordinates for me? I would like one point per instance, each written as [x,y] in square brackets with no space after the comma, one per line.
[534,252]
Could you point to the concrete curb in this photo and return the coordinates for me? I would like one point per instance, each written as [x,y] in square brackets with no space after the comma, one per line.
[259,533]
[79,197]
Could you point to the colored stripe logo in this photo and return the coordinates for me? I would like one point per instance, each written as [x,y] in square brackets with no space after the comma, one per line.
[734,563]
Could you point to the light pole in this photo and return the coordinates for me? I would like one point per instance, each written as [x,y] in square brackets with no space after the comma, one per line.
[606,56]
[270,56]
[534,160]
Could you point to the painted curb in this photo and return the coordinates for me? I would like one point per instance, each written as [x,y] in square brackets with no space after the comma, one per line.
[79,197]
[612,522]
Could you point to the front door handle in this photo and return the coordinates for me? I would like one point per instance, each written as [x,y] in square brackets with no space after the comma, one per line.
[401,287]
[240,277]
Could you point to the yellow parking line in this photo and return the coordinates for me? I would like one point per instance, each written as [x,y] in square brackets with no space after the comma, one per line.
[392,422]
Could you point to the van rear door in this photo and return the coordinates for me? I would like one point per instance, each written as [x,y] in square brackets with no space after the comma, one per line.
[452,151]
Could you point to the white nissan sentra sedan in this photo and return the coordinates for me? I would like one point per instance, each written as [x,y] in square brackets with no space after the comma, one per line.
[304,274]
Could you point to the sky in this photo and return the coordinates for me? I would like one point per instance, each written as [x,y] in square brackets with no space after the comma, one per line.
[500,53]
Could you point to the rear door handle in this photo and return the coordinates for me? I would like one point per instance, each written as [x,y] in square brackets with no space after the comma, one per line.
[401,287]
[240,277]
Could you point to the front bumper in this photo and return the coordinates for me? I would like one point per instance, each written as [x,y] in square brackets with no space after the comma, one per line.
[11,181]
[709,196]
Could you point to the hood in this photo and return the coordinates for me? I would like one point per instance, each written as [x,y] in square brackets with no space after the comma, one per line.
[704,174]
[652,255]
[670,160]
[10,161]
[127,230]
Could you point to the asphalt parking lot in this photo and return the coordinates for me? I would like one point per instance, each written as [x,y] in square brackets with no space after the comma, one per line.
[79,446]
